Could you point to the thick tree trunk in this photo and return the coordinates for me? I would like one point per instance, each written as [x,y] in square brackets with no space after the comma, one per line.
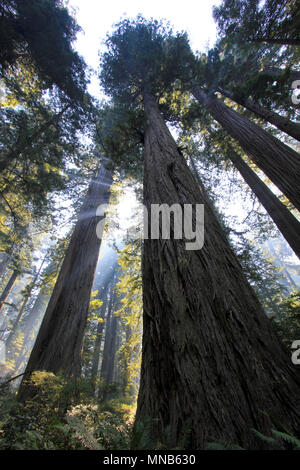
[289,127]
[59,342]
[278,161]
[281,216]
[8,287]
[211,362]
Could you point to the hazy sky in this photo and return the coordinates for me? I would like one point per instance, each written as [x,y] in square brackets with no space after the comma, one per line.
[97,18]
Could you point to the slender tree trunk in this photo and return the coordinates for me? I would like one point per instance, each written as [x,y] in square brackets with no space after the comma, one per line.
[283,41]
[289,127]
[278,161]
[4,263]
[211,360]
[98,341]
[24,303]
[281,216]
[105,372]
[277,72]
[112,349]
[8,287]
[31,327]
[59,342]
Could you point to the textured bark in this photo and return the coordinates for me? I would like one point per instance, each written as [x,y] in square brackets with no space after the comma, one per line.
[289,127]
[281,216]
[211,360]
[278,161]
[8,288]
[59,342]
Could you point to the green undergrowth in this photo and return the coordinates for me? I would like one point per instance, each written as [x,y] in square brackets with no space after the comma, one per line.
[63,416]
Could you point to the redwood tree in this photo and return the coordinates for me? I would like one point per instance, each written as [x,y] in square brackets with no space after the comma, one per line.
[278,161]
[211,362]
[59,342]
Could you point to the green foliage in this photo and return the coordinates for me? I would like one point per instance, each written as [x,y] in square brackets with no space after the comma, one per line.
[280,440]
[250,20]
[129,287]
[39,34]
[287,320]
[51,422]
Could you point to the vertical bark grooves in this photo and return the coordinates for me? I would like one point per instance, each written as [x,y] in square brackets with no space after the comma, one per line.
[59,342]
[278,161]
[289,127]
[210,359]
[281,216]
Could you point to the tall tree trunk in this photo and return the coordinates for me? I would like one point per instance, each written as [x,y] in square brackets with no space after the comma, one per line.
[283,41]
[211,360]
[109,332]
[98,341]
[4,263]
[281,216]
[8,287]
[289,127]
[24,303]
[278,161]
[59,342]
[277,72]
[31,328]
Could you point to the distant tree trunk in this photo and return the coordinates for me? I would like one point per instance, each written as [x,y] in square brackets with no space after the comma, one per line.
[280,263]
[31,327]
[211,360]
[98,341]
[8,287]
[281,216]
[289,127]
[116,369]
[4,263]
[24,303]
[112,349]
[109,333]
[277,72]
[278,161]
[59,342]
[283,41]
